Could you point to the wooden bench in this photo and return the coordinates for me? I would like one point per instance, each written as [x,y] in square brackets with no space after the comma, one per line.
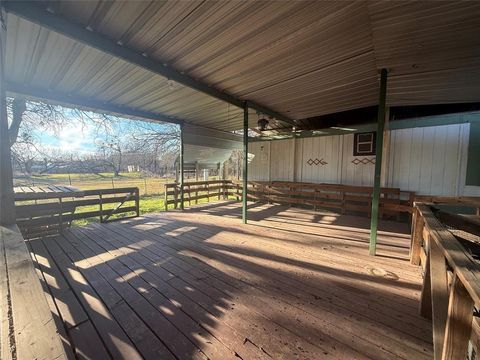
[47,210]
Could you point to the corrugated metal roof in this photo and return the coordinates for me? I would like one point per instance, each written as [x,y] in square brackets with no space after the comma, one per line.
[300,58]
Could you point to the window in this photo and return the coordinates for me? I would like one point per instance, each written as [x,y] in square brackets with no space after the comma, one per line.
[364,144]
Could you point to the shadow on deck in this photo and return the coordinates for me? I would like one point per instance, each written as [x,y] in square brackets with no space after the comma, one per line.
[198,284]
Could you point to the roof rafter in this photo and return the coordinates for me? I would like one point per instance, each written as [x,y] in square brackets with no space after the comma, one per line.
[56,97]
[33,12]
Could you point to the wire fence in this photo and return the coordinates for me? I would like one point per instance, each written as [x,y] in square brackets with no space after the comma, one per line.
[147,185]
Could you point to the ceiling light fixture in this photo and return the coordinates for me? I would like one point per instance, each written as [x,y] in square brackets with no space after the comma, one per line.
[342,128]
[262,123]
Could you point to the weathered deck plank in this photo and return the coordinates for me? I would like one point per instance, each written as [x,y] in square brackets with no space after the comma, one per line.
[250,276]
[291,284]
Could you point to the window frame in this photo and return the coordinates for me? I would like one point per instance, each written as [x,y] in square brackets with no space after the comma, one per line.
[357,142]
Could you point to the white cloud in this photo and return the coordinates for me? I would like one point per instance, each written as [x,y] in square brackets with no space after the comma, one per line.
[72,138]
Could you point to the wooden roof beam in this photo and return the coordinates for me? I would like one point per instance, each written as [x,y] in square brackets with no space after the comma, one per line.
[35,13]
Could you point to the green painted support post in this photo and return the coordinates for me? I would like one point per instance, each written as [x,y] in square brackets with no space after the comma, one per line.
[7,204]
[378,161]
[245,162]
[181,167]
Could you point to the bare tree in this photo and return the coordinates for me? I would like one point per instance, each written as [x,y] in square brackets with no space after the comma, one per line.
[117,142]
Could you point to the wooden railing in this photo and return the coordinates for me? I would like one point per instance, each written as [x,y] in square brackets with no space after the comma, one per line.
[342,198]
[196,190]
[43,214]
[28,329]
[451,287]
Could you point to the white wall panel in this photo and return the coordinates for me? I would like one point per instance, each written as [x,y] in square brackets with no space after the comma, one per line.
[258,167]
[320,159]
[282,155]
[299,159]
[428,160]
[356,170]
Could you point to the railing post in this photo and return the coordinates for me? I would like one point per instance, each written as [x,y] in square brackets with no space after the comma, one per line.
[101,206]
[175,195]
[426,295]
[166,197]
[459,322]
[378,161]
[439,297]
[137,201]
[416,238]
[7,203]
[61,214]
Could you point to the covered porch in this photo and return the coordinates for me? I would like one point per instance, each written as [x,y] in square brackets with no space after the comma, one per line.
[251,280]
[293,284]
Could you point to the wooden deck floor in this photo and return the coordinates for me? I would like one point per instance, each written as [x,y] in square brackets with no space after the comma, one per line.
[293,284]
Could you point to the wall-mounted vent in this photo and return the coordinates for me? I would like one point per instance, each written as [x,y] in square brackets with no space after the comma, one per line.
[364,144]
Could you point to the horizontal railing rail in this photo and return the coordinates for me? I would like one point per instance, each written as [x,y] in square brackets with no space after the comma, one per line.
[196,190]
[47,214]
[342,198]
[451,286]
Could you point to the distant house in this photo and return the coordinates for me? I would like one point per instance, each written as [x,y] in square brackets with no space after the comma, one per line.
[133,168]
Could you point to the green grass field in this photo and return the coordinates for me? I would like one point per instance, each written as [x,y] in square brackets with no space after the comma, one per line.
[148,185]
[148,204]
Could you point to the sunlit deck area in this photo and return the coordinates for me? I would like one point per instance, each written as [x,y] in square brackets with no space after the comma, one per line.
[292,284]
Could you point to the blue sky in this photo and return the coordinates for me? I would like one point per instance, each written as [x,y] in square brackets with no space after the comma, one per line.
[70,138]
[80,137]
